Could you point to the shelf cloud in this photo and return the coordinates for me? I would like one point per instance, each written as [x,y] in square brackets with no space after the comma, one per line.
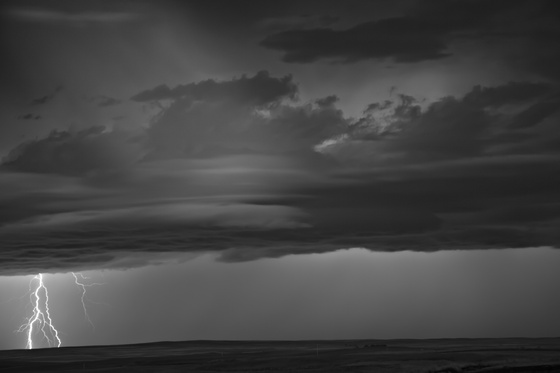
[245,170]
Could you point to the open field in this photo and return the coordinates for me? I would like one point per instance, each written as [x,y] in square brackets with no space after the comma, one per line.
[441,356]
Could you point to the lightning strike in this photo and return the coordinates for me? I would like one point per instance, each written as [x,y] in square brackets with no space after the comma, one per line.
[41,317]
[40,321]
[84,298]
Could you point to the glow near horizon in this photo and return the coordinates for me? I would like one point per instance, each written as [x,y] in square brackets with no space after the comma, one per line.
[347,294]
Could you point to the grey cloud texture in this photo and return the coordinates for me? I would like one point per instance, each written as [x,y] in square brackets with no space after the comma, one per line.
[75,153]
[249,114]
[424,32]
[525,33]
[257,90]
[508,94]
[242,169]
[403,39]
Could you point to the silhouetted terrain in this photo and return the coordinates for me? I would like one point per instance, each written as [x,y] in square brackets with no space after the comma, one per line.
[441,356]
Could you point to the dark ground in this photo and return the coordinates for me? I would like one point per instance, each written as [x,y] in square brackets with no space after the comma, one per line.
[442,356]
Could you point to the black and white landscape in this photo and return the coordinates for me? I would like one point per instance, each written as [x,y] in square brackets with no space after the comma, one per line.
[519,355]
[377,181]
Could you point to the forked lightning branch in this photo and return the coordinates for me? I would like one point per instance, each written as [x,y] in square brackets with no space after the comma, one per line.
[40,320]
[39,327]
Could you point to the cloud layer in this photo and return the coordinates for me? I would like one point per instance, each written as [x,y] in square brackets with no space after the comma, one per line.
[524,34]
[242,169]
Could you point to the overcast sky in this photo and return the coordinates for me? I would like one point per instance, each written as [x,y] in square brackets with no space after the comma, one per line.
[304,169]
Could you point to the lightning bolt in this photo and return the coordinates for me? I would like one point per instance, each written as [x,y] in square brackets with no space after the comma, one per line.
[77,279]
[40,320]
[41,316]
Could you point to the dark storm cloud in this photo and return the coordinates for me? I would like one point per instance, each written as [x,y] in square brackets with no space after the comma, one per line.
[123,241]
[74,153]
[239,169]
[259,89]
[524,33]
[403,39]
[535,114]
[452,127]
[424,32]
[227,128]
[508,94]
[247,114]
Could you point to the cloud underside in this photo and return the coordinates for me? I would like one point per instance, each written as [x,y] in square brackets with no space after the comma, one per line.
[401,39]
[241,169]
[418,35]
[434,30]
[126,248]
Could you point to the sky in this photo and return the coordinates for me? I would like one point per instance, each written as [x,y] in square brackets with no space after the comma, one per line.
[295,170]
